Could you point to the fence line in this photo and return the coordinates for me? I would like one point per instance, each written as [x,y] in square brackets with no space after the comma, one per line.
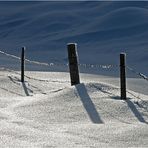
[137,73]
[9,55]
[103,66]
[9,70]
[41,80]
[26,76]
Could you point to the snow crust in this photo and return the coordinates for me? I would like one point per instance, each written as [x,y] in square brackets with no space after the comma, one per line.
[52,113]
[45,111]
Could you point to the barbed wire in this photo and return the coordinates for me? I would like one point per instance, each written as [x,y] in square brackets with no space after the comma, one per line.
[10,55]
[55,81]
[137,73]
[136,96]
[44,80]
[104,66]
[38,63]
[9,70]
[28,77]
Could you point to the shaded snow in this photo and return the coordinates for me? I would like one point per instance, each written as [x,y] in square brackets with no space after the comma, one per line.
[45,111]
[101,29]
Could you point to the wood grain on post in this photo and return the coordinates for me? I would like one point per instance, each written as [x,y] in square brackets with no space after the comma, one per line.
[22,63]
[123,75]
[73,63]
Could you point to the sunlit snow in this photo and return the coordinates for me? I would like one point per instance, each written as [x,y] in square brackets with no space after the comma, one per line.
[45,110]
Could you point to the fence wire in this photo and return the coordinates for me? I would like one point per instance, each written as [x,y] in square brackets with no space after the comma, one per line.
[89,66]
[103,66]
[10,55]
[137,73]
[29,77]
[141,86]
[9,70]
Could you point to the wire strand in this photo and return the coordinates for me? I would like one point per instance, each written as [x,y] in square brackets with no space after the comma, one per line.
[103,66]
[138,73]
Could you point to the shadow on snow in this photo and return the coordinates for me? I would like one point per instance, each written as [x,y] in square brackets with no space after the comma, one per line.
[88,104]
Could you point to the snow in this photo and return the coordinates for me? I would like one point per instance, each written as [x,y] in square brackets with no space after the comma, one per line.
[45,110]
[52,113]
[101,29]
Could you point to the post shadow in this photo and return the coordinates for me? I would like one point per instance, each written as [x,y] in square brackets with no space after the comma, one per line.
[25,89]
[135,111]
[88,104]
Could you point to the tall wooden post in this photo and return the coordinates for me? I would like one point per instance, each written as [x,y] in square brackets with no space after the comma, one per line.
[22,63]
[123,75]
[73,63]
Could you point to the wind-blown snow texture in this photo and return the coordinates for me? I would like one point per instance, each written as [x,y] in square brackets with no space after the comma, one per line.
[101,29]
[54,114]
[45,111]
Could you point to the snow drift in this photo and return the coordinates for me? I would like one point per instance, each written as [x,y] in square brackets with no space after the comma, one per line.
[54,114]
[45,111]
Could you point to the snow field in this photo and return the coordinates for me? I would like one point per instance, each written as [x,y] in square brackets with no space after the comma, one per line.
[54,114]
[45,111]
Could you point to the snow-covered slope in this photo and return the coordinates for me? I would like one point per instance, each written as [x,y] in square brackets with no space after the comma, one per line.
[45,111]
[51,113]
[101,29]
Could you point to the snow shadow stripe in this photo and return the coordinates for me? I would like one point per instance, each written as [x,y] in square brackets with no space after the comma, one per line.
[88,104]
[135,111]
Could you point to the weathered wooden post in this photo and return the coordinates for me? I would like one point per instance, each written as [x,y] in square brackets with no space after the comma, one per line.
[22,63]
[123,75]
[73,63]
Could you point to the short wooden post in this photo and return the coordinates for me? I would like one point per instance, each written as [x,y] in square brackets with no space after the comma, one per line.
[123,75]
[73,63]
[22,63]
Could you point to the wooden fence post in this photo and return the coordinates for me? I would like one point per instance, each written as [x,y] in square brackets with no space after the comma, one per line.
[123,75]
[22,63]
[73,63]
